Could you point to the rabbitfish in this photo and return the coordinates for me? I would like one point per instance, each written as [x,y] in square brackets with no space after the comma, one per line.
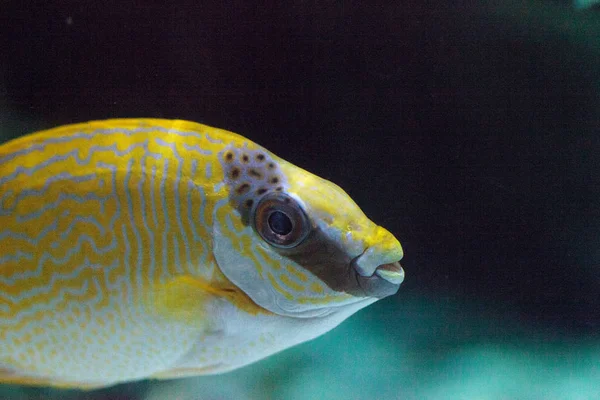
[148,248]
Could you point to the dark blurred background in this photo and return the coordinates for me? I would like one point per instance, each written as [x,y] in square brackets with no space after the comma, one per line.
[468,129]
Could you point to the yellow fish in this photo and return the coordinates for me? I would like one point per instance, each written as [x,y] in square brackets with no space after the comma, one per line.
[149,248]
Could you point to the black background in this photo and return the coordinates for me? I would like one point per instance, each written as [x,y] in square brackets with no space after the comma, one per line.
[469,130]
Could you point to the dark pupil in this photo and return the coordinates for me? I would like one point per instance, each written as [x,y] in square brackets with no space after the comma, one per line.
[280,223]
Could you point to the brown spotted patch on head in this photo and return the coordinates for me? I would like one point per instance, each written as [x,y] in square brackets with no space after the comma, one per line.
[250,175]
[253,172]
[242,189]
[234,173]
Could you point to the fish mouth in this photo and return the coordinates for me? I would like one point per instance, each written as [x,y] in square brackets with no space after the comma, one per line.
[392,272]
[384,280]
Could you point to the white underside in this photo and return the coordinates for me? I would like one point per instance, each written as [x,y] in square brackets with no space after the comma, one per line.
[232,338]
[243,339]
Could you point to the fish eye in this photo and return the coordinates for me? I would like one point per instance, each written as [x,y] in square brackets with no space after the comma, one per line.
[280,221]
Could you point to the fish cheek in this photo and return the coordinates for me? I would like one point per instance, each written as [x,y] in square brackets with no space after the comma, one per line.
[326,260]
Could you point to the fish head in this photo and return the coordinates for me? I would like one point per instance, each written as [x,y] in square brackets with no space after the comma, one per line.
[297,244]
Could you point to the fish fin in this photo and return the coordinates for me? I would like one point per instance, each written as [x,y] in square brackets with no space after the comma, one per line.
[180,298]
[187,372]
[184,297]
[14,377]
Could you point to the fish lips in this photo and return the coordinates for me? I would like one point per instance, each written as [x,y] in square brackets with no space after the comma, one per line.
[385,281]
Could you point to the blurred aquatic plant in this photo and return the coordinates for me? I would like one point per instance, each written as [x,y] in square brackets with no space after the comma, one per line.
[580,4]
[13,123]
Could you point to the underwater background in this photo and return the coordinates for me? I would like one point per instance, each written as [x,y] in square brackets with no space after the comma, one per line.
[471,130]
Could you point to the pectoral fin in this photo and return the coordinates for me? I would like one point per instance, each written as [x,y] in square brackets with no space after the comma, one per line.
[184,298]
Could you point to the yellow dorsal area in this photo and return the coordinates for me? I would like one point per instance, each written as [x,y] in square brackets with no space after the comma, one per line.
[119,124]
[105,249]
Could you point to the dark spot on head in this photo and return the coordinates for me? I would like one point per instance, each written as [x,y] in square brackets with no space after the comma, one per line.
[235,173]
[249,203]
[245,158]
[229,156]
[254,173]
[287,200]
[274,180]
[278,188]
[243,188]
[260,157]
[261,191]
[271,165]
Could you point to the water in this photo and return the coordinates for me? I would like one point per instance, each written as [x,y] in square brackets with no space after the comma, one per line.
[471,132]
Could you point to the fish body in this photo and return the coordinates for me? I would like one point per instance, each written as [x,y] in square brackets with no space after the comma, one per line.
[148,248]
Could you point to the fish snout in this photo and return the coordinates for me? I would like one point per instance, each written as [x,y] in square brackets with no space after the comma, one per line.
[377,280]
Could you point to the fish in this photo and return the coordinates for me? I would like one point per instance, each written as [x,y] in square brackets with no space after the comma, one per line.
[136,249]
